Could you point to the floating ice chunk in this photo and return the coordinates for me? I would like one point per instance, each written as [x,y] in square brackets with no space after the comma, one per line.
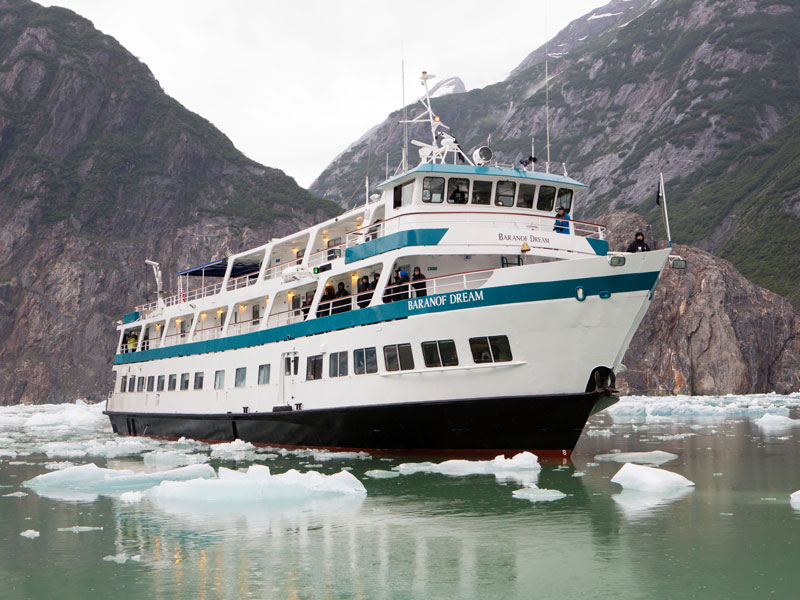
[322,455]
[579,474]
[458,467]
[120,558]
[108,449]
[236,450]
[80,528]
[131,497]
[655,409]
[57,466]
[381,474]
[639,477]
[66,417]
[599,433]
[772,423]
[30,533]
[674,436]
[169,459]
[7,454]
[86,482]
[656,457]
[15,495]
[794,500]
[535,494]
[257,484]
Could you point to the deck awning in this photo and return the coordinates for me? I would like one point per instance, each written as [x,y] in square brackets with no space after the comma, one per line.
[217,268]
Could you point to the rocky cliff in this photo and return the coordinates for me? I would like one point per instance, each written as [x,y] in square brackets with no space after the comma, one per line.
[707,91]
[708,330]
[99,169]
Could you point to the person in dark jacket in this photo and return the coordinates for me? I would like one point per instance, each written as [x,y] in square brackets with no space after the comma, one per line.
[638,244]
[561,224]
[421,288]
[364,292]
[325,302]
[343,304]
[403,291]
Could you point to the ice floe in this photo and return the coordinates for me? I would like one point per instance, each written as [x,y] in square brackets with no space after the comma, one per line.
[667,409]
[257,483]
[523,467]
[58,465]
[87,482]
[655,457]
[772,423]
[236,450]
[131,497]
[109,448]
[30,533]
[381,474]
[794,500]
[536,494]
[79,529]
[167,459]
[649,479]
[7,454]
[15,495]
[122,558]
[322,455]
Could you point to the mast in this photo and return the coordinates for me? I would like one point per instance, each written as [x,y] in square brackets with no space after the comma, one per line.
[405,118]
[546,94]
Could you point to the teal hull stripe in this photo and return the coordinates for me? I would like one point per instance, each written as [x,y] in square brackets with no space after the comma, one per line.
[393,241]
[495,296]
[600,247]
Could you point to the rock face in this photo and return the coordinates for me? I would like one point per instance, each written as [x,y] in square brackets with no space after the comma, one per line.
[708,330]
[99,169]
[705,91]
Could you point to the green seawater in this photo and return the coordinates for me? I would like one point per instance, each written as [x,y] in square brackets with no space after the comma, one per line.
[426,535]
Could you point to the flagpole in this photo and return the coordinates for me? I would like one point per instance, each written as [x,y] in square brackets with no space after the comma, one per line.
[662,193]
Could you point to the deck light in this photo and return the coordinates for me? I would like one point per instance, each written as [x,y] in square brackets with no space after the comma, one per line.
[203,316]
[436,118]
[242,306]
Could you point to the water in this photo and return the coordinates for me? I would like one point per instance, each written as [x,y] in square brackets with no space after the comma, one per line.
[735,535]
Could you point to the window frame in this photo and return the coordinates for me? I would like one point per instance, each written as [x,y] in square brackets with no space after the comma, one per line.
[466,194]
[219,379]
[426,188]
[139,384]
[551,205]
[264,368]
[519,194]
[160,383]
[151,383]
[314,367]
[493,344]
[496,195]
[184,381]
[437,344]
[370,360]
[172,382]
[475,183]
[123,387]
[240,377]
[559,196]
[402,355]
[199,378]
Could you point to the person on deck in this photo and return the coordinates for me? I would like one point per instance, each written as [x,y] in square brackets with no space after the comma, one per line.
[342,305]
[421,288]
[364,292]
[325,302]
[403,292]
[561,224]
[638,244]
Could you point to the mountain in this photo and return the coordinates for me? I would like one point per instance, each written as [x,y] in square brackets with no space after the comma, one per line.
[99,170]
[707,91]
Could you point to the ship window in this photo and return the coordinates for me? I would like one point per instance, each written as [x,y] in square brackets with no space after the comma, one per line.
[481,192]
[547,195]
[256,313]
[433,189]
[526,194]
[198,381]
[402,194]
[314,367]
[219,380]
[123,384]
[365,360]
[172,383]
[131,383]
[440,353]
[160,384]
[398,357]
[184,381]
[140,384]
[494,348]
[564,198]
[263,374]
[457,190]
[151,383]
[337,364]
[241,377]
[504,193]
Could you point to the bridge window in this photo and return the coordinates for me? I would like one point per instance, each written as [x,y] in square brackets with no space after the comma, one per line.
[564,198]
[526,194]
[440,353]
[457,190]
[481,192]
[547,196]
[494,348]
[219,379]
[402,194]
[398,357]
[433,189]
[504,193]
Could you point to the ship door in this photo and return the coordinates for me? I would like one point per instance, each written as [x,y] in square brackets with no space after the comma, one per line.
[291,366]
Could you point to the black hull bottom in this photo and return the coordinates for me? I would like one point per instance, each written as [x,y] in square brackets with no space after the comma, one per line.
[545,425]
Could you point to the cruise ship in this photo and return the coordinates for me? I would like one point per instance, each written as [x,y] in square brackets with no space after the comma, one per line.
[456,310]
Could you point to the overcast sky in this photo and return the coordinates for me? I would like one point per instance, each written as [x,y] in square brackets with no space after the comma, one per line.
[293,83]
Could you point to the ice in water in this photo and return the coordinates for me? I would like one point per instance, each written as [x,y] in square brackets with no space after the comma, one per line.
[656,457]
[536,494]
[772,423]
[649,479]
[381,474]
[523,468]
[30,533]
[794,500]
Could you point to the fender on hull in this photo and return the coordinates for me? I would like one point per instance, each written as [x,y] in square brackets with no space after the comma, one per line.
[546,425]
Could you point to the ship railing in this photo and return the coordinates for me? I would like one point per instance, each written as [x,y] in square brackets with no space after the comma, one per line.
[366,234]
[207,333]
[276,271]
[286,317]
[468,280]
[181,297]
[173,339]
[244,326]
[326,255]
[236,283]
